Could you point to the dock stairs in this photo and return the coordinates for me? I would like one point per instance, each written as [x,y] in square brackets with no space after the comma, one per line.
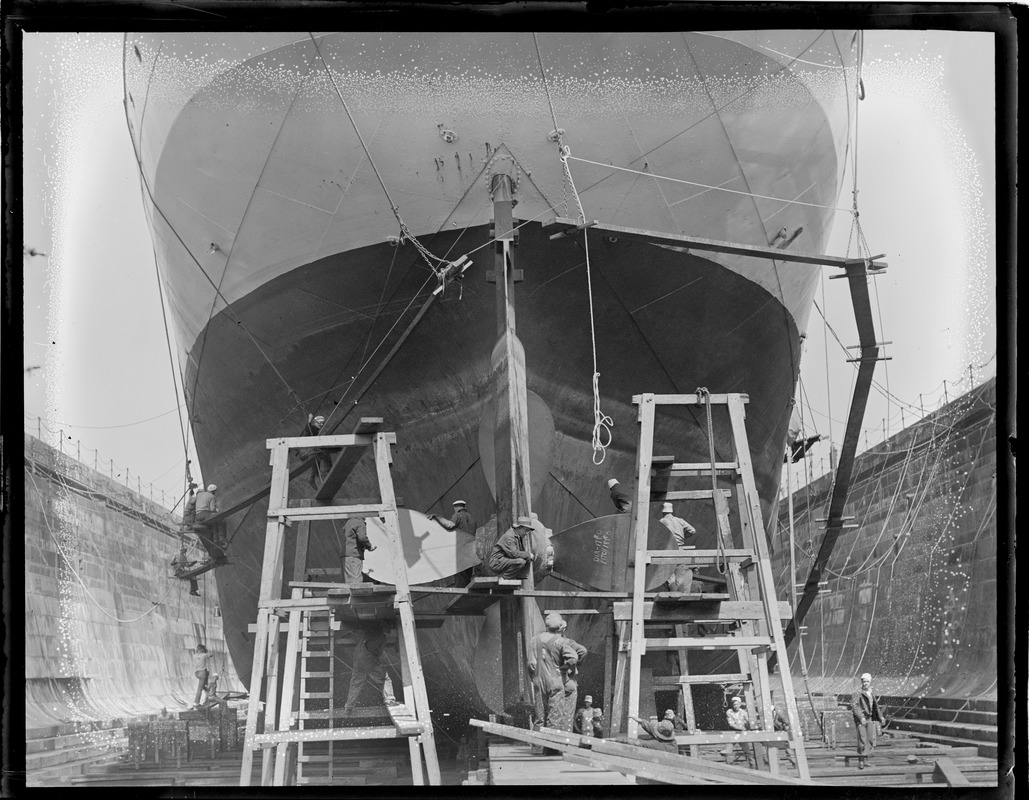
[748,612]
[299,709]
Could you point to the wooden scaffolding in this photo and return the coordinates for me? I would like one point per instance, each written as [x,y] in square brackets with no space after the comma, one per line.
[284,730]
[749,605]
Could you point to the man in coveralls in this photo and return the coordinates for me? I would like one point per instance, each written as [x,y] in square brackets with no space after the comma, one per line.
[553,660]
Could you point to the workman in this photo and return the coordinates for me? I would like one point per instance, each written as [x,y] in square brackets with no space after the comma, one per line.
[553,661]
[867,716]
[355,543]
[584,717]
[200,659]
[213,698]
[207,507]
[462,519]
[189,512]
[181,564]
[620,497]
[369,671]
[512,554]
[739,720]
[323,457]
[678,723]
[682,577]
[598,723]
[659,736]
[798,446]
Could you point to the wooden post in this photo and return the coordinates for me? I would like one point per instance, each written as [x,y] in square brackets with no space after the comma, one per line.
[638,546]
[766,582]
[271,587]
[411,657]
[289,690]
[511,439]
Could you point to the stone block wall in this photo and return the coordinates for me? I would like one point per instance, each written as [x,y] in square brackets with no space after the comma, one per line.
[109,632]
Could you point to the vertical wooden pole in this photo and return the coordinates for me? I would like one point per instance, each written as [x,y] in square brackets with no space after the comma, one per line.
[271,587]
[640,520]
[289,685]
[411,657]
[766,582]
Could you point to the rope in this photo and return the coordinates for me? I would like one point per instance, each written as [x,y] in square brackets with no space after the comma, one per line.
[405,233]
[707,186]
[602,423]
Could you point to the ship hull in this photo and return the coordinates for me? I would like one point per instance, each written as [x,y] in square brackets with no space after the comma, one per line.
[280,171]
[665,322]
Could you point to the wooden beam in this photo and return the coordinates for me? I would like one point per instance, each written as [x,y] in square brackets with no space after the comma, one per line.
[947,770]
[715,677]
[327,512]
[707,642]
[699,767]
[724,610]
[345,462]
[334,441]
[566,226]
[686,399]
[693,494]
[632,766]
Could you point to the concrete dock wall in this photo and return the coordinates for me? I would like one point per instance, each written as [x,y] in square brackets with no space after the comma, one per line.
[911,593]
[109,633]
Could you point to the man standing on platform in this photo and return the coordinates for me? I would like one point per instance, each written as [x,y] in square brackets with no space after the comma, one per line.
[867,715]
[739,720]
[553,664]
[682,577]
[462,519]
[355,543]
[210,535]
[369,671]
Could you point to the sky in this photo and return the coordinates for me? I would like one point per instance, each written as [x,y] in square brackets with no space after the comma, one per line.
[100,382]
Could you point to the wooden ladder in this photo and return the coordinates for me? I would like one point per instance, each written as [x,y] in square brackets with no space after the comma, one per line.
[278,741]
[749,602]
[316,698]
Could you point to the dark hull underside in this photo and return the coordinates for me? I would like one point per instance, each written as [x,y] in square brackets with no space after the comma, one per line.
[665,322]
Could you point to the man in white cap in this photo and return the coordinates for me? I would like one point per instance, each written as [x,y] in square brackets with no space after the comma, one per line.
[323,457]
[620,497]
[462,519]
[207,507]
[867,715]
[553,661]
[584,717]
[682,577]
[739,720]
[512,553]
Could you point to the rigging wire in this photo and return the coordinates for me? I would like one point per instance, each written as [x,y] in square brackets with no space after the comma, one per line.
[706,186]
[405,233]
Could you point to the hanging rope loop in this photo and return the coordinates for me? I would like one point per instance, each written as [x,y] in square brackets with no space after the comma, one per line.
[601,424]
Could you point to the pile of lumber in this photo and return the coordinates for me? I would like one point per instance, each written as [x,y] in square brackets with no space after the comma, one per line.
[631,760]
